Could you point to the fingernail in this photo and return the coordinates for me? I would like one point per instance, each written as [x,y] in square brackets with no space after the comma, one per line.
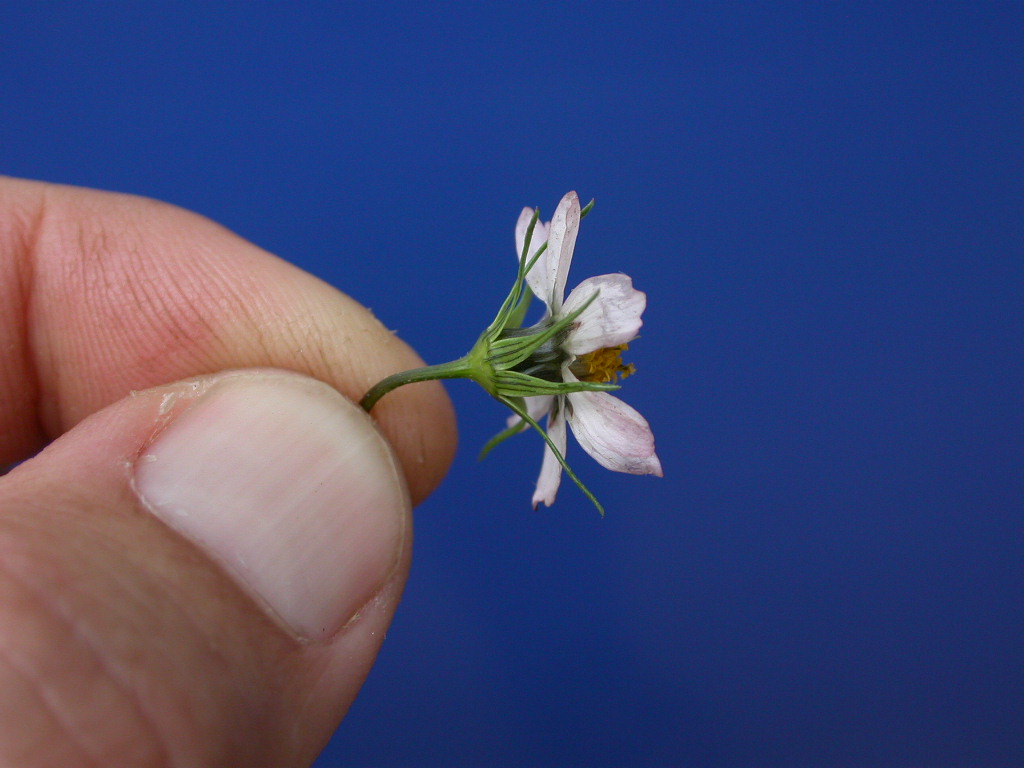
[289,487]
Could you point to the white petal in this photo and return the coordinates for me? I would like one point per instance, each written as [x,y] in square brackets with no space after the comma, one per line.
[615,434]
[551,470]
[537,278]
[565,225]
[536,407]
[612,318]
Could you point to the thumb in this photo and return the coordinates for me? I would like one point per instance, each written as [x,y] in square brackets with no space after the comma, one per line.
[199,574]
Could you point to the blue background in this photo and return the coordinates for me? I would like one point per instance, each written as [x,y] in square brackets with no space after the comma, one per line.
[823,202]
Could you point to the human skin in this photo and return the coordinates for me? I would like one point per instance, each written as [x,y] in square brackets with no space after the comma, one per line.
[124,641]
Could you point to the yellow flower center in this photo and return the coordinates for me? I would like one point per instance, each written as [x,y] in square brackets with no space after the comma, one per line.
[603,365]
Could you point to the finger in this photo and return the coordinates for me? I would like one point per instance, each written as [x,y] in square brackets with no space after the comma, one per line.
[102,294]
[199,574]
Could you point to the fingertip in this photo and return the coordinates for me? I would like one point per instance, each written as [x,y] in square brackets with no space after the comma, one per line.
[237,638]
[130,293]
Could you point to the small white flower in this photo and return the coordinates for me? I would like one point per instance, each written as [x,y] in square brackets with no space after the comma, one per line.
[615,434]
[564,366]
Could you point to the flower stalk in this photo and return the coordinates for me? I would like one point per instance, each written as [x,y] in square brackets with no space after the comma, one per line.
[456,369]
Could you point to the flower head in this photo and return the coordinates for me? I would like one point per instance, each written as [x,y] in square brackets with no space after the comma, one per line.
[563,366]
[606,312]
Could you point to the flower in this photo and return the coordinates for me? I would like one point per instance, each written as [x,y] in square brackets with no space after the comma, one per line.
[608,311]
[563,366]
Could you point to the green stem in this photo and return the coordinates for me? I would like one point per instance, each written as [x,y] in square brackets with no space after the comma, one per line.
[456,369]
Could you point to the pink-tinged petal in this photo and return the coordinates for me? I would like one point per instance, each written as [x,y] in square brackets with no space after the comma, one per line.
[538,278]
[615,434]
[537,407]
[611,319]
[551,470]
[565,224]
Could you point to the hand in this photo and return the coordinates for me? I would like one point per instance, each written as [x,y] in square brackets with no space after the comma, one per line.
[199,567]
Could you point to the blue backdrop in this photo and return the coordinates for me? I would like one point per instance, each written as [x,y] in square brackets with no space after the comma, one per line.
[824,204]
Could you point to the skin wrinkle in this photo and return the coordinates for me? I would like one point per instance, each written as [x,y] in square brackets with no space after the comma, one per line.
[162,306]
[240,299]
[110,292]
[44,706]
[118,294]
[192,285]
[28,234]
[44,598]
[188,290]
[38,689]
[156,305]
[100,282]
[104,557]
[306,342]
[51,607]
